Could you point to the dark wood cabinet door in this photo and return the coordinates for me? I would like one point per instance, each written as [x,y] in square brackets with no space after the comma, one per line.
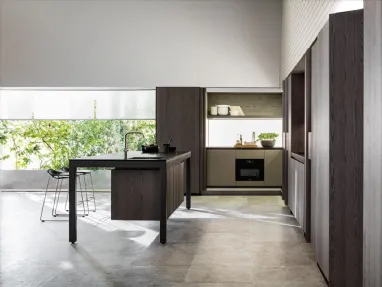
[179,115]
[285,154]
[346,149]
[307,133]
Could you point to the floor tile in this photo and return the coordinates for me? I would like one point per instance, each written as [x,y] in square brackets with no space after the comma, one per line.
[223,241]
[219,274]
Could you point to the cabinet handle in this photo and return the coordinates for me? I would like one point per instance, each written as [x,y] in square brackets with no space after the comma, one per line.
[310,145]
[284,141]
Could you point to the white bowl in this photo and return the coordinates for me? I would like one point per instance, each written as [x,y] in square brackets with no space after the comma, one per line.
[223,110]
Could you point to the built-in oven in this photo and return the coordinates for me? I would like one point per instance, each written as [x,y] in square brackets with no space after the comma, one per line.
[249,169]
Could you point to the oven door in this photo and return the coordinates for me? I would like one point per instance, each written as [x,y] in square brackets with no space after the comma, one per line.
[249,169]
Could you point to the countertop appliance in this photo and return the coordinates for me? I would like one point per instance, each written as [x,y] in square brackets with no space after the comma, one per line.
[249,169]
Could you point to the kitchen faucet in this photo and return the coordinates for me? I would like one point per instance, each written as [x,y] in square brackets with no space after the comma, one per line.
[130,133]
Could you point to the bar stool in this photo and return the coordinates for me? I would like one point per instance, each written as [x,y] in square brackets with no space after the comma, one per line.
[84,173]
[59,176]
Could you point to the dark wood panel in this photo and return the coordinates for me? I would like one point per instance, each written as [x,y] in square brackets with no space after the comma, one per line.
[135,195]
[308,129]
[372,257]
[203,148]
[178,117]
[297,113]
[289,140]
[176,188]
[285,148]
[346,149]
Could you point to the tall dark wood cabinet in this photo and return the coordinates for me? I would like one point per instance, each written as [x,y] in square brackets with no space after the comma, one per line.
[346,149]
[180,115]
[337,149]
[308,129]
[285,151]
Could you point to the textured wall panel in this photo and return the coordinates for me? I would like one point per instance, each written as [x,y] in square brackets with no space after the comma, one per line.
[301,23]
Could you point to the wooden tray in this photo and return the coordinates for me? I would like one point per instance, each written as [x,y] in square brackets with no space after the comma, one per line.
[244,146]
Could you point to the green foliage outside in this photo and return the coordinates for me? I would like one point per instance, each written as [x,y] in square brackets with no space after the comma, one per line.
[54,142]
[268,136]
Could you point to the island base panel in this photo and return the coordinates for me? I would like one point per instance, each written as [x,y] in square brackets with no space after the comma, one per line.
[176,187]
[136,194]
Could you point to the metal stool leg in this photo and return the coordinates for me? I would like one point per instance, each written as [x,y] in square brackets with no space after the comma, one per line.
[43,203]
[82,197]
[58,197]
[86,194]
[66,202]
[55,196]
[91,180]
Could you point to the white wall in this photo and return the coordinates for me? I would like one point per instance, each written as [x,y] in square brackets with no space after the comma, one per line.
[223,132]
[302,20]
[230,43]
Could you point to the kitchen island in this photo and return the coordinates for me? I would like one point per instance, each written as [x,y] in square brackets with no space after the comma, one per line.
[144,186]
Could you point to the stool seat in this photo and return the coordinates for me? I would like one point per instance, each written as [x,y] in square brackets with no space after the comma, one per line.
[79,171]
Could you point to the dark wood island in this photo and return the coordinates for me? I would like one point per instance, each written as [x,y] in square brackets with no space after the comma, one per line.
[143,187]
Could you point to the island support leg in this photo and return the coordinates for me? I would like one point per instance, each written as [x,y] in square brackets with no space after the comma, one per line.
[188,183]
[72,204]
[163,209]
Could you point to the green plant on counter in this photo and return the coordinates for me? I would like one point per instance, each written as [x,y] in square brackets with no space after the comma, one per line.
[268,136]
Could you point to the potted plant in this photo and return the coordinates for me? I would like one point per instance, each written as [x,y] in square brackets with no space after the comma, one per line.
[268,139]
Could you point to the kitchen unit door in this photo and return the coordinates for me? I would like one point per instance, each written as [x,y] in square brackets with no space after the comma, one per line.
[285,135]
[292,181]
[300,194]
[296,200]
[220,168]
[346,149]
[308,129]
[273,167]
[180,116]
[320,150]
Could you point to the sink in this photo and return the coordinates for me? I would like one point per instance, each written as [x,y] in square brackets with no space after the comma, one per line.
[146,157]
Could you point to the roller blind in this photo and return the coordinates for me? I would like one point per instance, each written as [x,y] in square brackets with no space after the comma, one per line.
[77,105]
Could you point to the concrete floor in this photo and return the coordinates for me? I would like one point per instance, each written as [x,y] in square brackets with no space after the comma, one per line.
[221,242]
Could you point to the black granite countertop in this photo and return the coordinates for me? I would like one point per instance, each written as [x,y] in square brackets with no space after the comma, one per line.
[134,156]
[247,148]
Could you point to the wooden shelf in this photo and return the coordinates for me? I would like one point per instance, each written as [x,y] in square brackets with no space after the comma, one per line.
[240,117]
